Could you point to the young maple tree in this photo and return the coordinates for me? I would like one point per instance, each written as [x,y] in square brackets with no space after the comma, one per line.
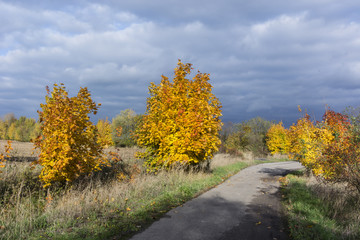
[341,156]
[277,139]
[307,143]
[68,142]
[182,121]
[104,133]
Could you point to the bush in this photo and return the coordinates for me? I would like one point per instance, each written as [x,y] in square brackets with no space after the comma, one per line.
[123,127]
[182,122]
[68,143]
[248,136]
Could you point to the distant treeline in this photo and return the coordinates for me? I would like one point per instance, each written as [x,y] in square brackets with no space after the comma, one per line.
[247,136]
[236,138]
[24,129]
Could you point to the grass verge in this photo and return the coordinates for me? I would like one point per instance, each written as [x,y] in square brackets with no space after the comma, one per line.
[320,211]
[107,205]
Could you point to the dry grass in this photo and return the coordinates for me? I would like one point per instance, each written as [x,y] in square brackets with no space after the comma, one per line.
[328,211]
[342,200]
[111,196]
[116,201]
[86,205]
[20,149]
[224,159]
[26,206]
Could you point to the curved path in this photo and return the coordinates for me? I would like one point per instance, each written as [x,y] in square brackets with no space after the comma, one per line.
[246,206]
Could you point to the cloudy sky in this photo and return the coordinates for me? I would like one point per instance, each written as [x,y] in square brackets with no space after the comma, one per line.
[264,57]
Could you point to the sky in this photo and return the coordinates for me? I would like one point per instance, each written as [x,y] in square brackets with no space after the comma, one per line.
[264,57]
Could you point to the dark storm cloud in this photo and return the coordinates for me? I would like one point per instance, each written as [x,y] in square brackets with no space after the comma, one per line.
[264,57]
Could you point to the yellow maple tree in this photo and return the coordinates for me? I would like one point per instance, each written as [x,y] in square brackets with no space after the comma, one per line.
[307,143]
[182,121]
[104,133]
[68,146]
[277,139]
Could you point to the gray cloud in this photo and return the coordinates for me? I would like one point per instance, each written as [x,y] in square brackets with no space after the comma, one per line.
[264,57]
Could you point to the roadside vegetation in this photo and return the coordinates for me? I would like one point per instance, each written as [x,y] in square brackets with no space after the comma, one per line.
[323,203]
[238,139]
[316,210]
[112,203]
[78,185]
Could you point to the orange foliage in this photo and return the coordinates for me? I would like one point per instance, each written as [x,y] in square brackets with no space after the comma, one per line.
[68,141]
[182,121]
[330,149]
[8,148]
[338,153]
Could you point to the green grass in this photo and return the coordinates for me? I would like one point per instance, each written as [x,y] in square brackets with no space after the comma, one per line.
[142,206]
[100,207]
[318,211]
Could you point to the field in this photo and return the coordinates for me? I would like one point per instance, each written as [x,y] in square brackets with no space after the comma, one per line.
[22,151]
[113,203]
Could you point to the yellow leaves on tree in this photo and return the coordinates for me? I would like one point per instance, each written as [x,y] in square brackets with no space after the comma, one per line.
[104,133]
[182,121]
[307,143]
[277,139]
[8,148]
[304,141]
[68,142]
[330,148]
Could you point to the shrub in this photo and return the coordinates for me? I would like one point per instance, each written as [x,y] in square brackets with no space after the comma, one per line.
[123,127]
[181,125]
[103,128]
[277,139]
[68,143]
[307,143]
[248,136]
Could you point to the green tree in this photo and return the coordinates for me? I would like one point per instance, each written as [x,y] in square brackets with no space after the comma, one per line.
[3,129]
[22,129]
[126,122]
[237,141]
[9,118]
[257,137]
[36,131]
[249,136]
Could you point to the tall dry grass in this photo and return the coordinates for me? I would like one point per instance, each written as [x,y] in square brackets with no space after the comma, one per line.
[324,210]
[26,206]
[116,201]
[121,198]
[342,202]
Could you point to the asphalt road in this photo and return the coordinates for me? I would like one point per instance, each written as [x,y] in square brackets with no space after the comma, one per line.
[246,206]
